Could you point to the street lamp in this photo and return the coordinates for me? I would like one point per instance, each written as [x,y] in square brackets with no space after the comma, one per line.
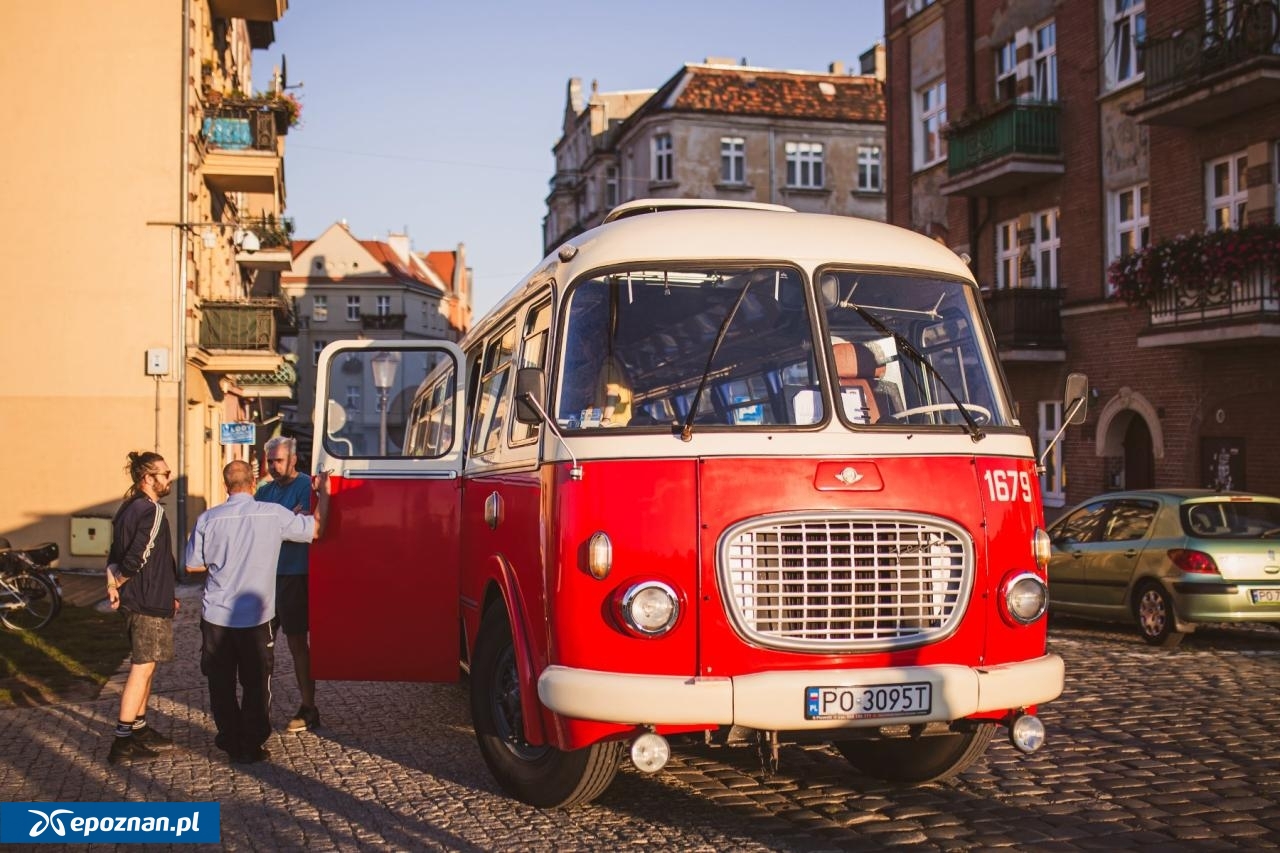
[384,376]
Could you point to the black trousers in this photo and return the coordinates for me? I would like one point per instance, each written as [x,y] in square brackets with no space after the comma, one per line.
[246,655]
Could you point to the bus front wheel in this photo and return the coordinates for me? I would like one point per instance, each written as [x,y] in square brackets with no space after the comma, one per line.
[541,776]
[916,761]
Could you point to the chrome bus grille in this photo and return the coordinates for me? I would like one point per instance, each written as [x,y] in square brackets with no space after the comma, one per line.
[846,581]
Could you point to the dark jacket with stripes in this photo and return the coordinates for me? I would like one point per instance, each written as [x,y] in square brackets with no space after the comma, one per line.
[142,547]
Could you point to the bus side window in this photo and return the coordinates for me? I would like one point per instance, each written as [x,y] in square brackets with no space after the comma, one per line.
[533,353]
[493,402]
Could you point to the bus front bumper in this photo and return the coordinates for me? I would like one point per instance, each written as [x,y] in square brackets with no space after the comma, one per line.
[777,700]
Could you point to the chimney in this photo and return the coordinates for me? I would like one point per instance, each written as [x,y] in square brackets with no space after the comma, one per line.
[872,62]
[399,244]
[836,67]
[573,94]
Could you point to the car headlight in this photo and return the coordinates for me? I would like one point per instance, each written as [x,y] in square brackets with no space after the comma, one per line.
[1024,598]
[648,609]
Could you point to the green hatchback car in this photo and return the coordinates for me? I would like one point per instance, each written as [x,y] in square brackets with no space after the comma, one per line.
[1168,559]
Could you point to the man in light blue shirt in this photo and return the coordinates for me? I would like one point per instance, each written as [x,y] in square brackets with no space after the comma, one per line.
[238,544]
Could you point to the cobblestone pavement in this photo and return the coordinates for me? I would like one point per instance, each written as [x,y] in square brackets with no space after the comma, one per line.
[1147,748]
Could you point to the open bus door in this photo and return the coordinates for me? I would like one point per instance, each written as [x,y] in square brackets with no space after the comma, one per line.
[384,572]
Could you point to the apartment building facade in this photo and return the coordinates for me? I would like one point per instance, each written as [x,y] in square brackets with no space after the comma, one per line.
[812,141]
[1049,140]
[341,287]
[144,188]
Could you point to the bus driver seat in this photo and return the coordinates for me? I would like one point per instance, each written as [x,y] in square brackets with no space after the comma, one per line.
[857,371]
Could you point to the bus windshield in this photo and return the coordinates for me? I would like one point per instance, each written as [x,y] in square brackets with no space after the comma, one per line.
[716,348]
[642,345]
[910,350]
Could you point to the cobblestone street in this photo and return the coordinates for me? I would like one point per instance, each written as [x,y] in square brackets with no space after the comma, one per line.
[1146,749]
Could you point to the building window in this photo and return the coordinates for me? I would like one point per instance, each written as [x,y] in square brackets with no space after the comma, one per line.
[1130,221]
[916,6]
[353,396]
[611,187]
[1006,71]
[663,158]
[733,160]
[384,306]
[1053,480]
[931,116]
[1044,62]
[319,309]
[804,165]
[1226,191]
[1044,248]
[1127,30]
[1007,254]
[869,166]
[317,347]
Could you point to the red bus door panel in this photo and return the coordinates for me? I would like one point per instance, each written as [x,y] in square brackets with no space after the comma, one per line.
[384,574]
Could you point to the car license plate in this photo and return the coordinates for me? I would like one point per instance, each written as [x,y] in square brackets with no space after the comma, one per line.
[1265,596]
[913,699]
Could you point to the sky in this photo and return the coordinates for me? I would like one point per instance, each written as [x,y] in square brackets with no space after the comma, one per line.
[439,118]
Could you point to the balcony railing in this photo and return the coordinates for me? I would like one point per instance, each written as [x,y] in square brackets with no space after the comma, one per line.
[1201,47]
[1026,318]
[1255,296]
[245,124]
[272,232]
[381,321]
[247,325]
[1020,128]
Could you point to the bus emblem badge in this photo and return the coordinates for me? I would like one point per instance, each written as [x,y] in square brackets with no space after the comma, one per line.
[848,476]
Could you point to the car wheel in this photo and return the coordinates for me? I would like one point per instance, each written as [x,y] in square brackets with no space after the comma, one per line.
[1153,610]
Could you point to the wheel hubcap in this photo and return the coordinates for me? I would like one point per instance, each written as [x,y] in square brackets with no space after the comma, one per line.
[1151,613]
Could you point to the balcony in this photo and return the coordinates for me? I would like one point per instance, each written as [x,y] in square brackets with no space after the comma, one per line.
[1027,323]
[275,244]
[381,322]
[241,151]
[1013,148]
[249,10]
[1205,70]
[238,337]
[1216,313]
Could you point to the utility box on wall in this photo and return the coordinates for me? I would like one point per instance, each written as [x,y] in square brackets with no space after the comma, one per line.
[90,536]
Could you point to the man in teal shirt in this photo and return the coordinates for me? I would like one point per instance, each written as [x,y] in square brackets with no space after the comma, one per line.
[292,490]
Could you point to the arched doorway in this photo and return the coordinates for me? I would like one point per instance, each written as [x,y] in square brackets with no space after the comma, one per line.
[1129,438]
[1139,457]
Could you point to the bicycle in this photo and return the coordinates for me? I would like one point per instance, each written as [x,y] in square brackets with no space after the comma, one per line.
[29,596]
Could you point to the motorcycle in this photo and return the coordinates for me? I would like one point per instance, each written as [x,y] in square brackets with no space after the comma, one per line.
[30,595]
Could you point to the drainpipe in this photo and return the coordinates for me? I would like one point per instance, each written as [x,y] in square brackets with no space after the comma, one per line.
[772,198]
[971,94]
[184,188]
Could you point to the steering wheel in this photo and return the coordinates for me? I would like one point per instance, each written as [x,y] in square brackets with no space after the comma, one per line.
[980,414]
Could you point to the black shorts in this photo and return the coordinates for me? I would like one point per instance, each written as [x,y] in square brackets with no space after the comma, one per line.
[150,637]
[291,604]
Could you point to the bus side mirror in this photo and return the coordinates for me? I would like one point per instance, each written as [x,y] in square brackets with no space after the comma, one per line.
[530,384]
[1076,398]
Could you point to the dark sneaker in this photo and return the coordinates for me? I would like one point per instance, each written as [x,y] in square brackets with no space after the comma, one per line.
[152,739]
[126,750]
[306,718]
[250,756]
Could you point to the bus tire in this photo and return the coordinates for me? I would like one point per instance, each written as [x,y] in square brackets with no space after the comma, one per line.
[917,761]
[541,776]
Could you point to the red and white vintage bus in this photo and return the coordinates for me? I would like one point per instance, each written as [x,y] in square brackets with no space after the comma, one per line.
[720,471]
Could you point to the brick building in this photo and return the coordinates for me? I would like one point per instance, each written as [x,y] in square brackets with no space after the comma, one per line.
[1047,139]
[812,141]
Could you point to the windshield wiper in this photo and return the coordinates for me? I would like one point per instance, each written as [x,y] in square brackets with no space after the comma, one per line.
[904,345]
[686,433]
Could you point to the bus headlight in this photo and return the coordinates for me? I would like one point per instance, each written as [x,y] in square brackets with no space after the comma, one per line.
[1023,598]
[648,609]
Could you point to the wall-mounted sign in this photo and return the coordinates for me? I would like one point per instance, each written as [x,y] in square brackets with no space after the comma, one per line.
[239,432]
